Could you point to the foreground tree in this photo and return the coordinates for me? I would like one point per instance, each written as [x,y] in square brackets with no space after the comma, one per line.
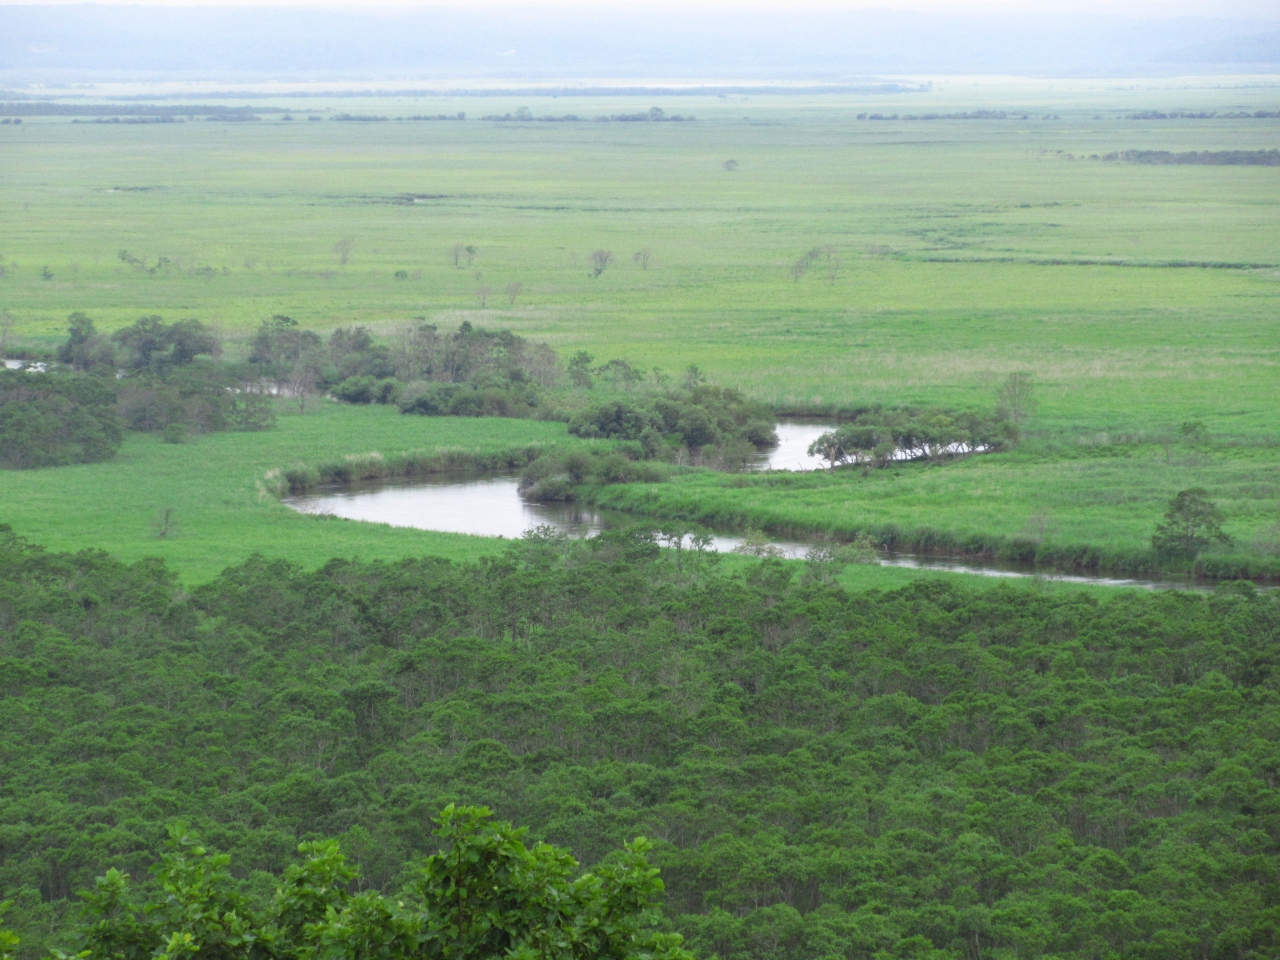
[485,894]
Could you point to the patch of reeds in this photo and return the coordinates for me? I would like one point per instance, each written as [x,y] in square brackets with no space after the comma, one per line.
[301,478]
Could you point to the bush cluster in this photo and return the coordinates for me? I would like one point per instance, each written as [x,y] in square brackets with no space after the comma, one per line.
[49,420]
[167,377]
[877,436]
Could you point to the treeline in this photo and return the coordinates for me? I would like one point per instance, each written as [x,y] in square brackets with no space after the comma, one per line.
[150,376]
[880,436]
[969,115]
[168,377]
[173,378]
[692,424]
[48,109]
[477,372]
[1251,158]
[652,115]
[1203,115]
[927,772]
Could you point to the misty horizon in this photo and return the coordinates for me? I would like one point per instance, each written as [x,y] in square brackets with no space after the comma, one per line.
[88,43]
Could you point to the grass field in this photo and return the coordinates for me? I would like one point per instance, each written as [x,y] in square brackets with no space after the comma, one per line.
[221,512]
[967,249]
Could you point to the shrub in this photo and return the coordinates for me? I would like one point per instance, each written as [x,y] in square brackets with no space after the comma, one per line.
[1192,522]
[49,420]
[356,390]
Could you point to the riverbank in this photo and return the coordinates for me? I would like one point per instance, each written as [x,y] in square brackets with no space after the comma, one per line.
[1090,510]
[212,502]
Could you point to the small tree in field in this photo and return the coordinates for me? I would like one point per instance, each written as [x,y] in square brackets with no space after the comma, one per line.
[600,261]
[456,252]
[580,370]
[1015,400]
[642,257]
[829,448]
[342,250]
[483,294]
[1192,522]
[513,290]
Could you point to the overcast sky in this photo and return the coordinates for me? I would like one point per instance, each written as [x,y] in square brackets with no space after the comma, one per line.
[1267,9]
[829,40]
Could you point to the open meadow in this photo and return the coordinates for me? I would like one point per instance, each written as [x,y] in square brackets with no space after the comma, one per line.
[951,252]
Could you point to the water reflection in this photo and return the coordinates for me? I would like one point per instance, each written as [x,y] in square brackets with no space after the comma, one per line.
[482,505]
[792,451]
[491,506]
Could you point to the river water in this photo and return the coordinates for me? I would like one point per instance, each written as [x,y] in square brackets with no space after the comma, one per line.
[490,505]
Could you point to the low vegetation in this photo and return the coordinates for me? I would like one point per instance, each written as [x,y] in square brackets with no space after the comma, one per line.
[1246,158]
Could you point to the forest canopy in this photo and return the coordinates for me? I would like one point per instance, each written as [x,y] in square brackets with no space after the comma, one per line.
[927,772]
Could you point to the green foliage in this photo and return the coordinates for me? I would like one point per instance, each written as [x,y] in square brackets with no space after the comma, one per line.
[159,384]
[476,399]
[200,397]
[694,418]
[366,389]
[556,475]
[927,772]
[49,420]
[879,436]
[279,344]
[85,349]
[8,939]
[1192,523]
[485,895]
[152,344]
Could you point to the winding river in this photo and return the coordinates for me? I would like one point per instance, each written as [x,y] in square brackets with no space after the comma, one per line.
[490,505]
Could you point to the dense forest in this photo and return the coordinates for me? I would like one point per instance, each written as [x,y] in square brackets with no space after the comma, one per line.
[932,772]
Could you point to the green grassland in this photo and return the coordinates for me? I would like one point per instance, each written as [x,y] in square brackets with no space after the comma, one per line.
[218,491]
[968,249]
[223,508]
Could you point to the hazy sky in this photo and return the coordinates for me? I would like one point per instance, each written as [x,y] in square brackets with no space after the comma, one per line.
[1268,9]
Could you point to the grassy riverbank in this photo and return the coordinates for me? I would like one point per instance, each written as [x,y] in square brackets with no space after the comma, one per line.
[1091,507]
[214,500]
[216,491]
